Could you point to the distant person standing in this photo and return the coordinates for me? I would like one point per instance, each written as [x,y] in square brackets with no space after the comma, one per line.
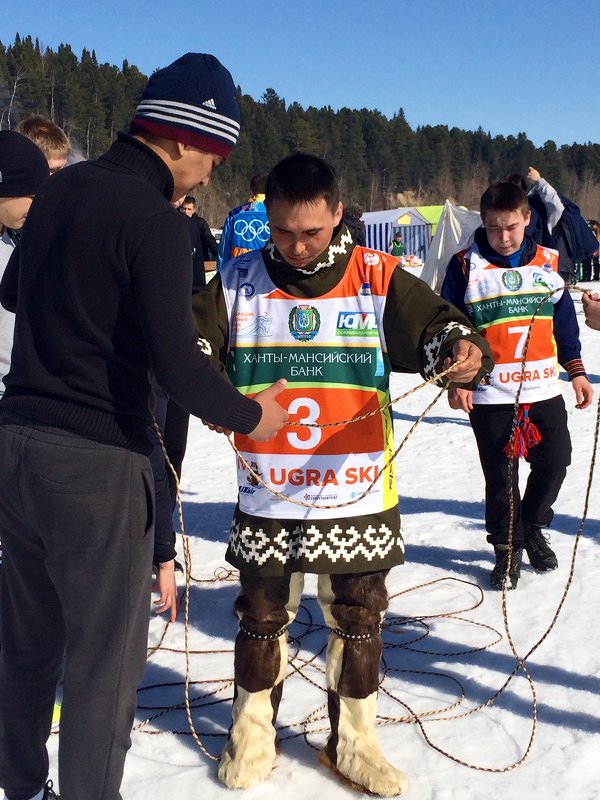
[209,243]
[396,247]
[556,222]
[204,244]
[52,140]
[595,226]
[246,227]
[591,265]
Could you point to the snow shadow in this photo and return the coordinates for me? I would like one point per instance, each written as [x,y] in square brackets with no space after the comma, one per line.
[212,615]
[474,513]
[162,694]
[210,521]
[516,699]
[397,415]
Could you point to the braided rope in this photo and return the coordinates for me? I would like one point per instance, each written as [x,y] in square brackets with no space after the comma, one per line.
[299,664]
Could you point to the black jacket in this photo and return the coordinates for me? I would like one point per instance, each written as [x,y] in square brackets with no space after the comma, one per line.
[204,248]
[101,284]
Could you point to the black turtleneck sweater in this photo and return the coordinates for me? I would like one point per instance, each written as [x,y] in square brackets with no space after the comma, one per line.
[101,284]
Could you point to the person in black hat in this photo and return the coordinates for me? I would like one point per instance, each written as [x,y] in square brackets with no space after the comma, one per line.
[22,170]
[101,285]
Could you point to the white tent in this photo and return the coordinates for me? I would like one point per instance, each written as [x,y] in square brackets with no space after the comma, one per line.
[380,227]
[454,232]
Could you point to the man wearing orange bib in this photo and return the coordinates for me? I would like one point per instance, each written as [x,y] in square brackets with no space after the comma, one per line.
[500,282]
[334,320]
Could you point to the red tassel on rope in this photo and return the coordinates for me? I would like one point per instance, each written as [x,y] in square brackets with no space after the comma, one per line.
[526,435]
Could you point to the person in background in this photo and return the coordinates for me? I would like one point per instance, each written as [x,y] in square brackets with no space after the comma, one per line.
[595,226]
[23,168]
[396,247]
[498,282]
[98,307]
[247,226]
[552,216]
[590,267]
[352,218]
[313,294]
[204,244]
[52,140]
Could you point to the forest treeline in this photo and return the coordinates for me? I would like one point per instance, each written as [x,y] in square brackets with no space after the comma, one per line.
[382,162]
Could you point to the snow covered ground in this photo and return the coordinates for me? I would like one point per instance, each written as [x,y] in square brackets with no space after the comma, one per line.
[440,642]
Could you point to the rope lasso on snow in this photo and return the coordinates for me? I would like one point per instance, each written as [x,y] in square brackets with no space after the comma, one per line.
[300,665]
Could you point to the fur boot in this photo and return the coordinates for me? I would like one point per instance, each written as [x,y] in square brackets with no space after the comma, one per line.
[249,754]
[352,750]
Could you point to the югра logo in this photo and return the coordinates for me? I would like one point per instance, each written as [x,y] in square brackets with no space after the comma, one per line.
[304,322]
[512,280]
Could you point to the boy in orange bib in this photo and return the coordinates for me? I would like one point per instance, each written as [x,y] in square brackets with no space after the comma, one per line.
[499,282]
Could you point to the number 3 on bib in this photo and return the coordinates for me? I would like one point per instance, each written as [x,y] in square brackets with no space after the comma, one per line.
[313,411]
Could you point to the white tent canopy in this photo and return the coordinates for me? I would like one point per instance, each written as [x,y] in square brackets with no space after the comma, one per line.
[380,227]
[454,232]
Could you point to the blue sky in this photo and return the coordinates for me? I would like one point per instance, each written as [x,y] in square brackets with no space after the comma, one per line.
[505,66]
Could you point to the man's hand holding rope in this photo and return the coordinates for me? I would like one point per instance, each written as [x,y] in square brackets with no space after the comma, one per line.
[466,358]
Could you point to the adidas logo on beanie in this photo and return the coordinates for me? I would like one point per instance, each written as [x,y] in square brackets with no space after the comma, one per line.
[191,101]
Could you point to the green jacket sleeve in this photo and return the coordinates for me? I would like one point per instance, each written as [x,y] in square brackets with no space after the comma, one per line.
[210,321]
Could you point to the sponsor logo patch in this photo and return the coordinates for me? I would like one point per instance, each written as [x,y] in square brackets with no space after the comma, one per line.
[304,322]
[512,280]
[356,323]
[246,290]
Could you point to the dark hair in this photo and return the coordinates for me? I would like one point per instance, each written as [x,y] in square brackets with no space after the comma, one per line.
[353,210]
[302,178]
[503,196]
[258,183]
[189,200]
[514,177]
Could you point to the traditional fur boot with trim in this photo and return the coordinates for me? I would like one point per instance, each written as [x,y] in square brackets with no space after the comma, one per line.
[249,754]
[352,750]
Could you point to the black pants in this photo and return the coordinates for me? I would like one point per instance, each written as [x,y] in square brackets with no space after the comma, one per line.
[76,521]
[548,462]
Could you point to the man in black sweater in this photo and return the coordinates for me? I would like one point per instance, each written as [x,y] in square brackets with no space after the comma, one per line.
[101,287]
[204,244]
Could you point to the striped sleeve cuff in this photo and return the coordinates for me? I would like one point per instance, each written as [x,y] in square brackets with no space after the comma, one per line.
[575,368]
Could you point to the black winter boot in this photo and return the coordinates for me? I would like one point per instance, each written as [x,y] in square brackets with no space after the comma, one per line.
[541,556]
[499,571]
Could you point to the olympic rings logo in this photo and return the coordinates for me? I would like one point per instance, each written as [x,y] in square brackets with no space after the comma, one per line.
[248,231]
